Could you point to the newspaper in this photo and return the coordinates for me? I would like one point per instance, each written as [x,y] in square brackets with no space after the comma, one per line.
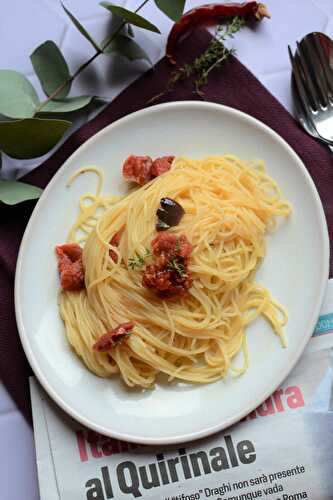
[281,451]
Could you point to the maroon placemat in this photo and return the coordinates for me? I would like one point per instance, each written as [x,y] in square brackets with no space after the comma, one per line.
[232,85]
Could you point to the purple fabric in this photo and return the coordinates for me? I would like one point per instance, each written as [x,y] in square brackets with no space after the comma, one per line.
[234,86]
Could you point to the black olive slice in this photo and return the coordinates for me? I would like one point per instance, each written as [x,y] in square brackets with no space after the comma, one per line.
[161,226]
[169,214]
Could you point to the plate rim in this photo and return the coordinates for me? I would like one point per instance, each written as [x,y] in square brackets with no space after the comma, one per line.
[208,430]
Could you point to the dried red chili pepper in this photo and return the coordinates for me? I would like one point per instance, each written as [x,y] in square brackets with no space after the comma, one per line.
[212,14]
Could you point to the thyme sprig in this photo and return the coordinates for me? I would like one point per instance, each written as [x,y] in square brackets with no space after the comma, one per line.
[178,267]
[139,260]
[216,53]
[213,57]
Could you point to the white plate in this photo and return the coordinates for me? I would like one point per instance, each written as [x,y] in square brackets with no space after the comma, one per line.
[295,271]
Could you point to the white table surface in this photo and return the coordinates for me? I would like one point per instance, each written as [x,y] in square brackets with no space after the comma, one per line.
[26,24]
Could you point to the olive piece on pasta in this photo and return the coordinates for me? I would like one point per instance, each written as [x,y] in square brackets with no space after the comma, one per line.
[169,214]
[162,226]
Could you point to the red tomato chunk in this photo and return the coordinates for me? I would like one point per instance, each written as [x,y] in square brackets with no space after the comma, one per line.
[169,276]
[115,240]
[171,245]
[142,169]
[70,266]
[110,339]
[161,165]
[138,169]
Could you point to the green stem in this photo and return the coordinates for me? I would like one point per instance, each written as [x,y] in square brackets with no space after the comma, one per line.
[216,63]
[86,63]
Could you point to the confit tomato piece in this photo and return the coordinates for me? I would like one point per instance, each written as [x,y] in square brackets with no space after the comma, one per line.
[70,266]
[110,339]
[161,165]
[171,245]
[141,169]
[169,275]
[115,240]
[138,169]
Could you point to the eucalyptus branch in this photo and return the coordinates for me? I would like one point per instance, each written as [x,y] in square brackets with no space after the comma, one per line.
[20,106]
[118,30]
[67,81]
[83,66]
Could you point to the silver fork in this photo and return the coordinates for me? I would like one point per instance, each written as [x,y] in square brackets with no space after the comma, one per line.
[306,124]
[313,85]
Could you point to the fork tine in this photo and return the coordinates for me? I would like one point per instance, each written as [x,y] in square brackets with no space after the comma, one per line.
[303,109]
[305,118]
[296,101]
[302,59]
[316,66]
[299,83]
[327,75]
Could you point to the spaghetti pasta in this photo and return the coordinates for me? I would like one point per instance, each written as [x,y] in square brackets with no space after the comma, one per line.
[229,205]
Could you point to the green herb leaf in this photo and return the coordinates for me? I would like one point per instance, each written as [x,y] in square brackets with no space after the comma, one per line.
[31,137]
[12,192]
[66,105]
[177,267]
[213,57]
[127,47]
[18,98]
[172,8]
[81,28]
[139,260]
[130,17]
[51,68]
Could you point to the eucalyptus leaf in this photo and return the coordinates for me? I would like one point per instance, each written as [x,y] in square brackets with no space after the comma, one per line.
[172,8]
[51,68]
[13,192]
[18,98]
[126,47]
[32,137]
[130,31]
[130,17]
[81,28]
[66,105]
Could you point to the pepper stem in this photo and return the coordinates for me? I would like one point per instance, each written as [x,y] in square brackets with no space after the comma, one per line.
[262,12]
